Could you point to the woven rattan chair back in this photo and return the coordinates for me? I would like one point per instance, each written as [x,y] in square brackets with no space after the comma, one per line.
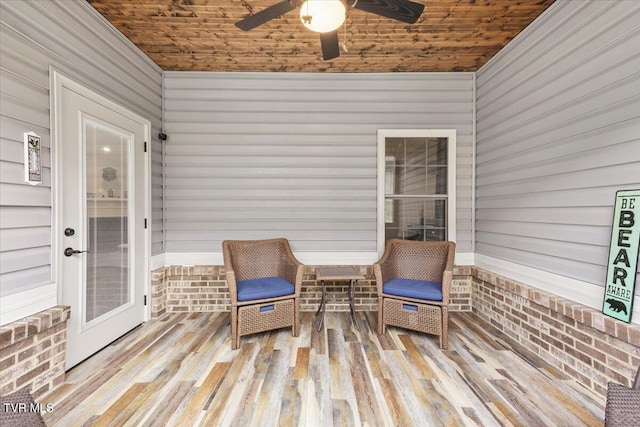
[419,261]
[622,408]
[21,418]
[252,259]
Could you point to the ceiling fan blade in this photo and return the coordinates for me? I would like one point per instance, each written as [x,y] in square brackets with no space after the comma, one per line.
[330,45]
[400,10]
[266,15]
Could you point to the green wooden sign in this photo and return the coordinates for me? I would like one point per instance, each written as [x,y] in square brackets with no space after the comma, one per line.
[623,256]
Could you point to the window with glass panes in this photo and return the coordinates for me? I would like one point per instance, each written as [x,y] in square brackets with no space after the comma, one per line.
[416,188]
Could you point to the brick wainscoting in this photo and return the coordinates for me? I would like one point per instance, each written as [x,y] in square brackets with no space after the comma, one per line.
[204,288]
[32,352]
[580,341]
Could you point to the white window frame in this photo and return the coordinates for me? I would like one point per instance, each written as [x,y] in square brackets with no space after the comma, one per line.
[450,134]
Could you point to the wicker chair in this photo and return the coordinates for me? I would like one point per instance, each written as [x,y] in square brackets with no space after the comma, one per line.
[264,281]
[414,281]
[18,410]
[623,404]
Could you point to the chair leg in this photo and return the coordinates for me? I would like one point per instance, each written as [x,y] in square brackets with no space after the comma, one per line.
[381,326]
[444,333]
[235,340]
[296,318]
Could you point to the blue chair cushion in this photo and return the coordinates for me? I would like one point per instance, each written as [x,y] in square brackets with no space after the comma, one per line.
[263,287]
[411,288]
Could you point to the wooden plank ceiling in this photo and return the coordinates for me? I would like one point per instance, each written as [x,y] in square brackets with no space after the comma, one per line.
[200,35]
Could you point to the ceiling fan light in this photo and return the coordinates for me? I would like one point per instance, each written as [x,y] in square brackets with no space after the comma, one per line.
[322,16]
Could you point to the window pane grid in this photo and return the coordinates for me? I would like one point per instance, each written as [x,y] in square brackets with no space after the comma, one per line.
[416,188]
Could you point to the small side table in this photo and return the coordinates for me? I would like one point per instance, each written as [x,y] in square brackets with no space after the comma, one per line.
[338,273]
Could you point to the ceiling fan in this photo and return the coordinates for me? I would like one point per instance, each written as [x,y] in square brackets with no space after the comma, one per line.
[400,10]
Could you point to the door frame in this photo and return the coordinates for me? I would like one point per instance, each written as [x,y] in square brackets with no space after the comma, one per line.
[57,82]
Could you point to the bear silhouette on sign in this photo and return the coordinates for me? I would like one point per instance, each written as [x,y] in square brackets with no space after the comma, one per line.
[617,306]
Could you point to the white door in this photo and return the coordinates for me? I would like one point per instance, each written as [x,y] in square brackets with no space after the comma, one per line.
[102,225]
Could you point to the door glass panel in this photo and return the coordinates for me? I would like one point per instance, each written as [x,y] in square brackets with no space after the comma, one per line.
[106,172]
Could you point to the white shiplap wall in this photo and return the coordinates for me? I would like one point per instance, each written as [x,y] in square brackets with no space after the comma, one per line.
[75,40]
[558,132]
[260,155]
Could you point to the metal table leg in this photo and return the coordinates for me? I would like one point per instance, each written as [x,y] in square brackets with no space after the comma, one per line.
[352,288]
[322,306]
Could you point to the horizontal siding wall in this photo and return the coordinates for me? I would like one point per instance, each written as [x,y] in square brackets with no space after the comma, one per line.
[70,36]
[558,133]
[261,155]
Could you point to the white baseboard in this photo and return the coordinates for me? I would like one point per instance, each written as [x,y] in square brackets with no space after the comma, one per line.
[309,258]
[27,303]
[465,258]
[158,261]
[575,290]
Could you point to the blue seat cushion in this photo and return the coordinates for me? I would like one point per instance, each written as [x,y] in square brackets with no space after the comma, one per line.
[263,287]
[411,288]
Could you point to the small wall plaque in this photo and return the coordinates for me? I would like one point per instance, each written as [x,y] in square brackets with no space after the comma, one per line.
[32,159]
[623,256]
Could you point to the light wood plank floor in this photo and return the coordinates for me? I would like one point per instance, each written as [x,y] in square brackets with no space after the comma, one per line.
[180,370]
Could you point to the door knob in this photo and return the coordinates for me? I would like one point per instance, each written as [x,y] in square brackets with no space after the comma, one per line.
[71,251]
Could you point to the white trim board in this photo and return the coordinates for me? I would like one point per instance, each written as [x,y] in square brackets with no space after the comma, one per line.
[22,304]
[308,258]
[574,290]
[158,261]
